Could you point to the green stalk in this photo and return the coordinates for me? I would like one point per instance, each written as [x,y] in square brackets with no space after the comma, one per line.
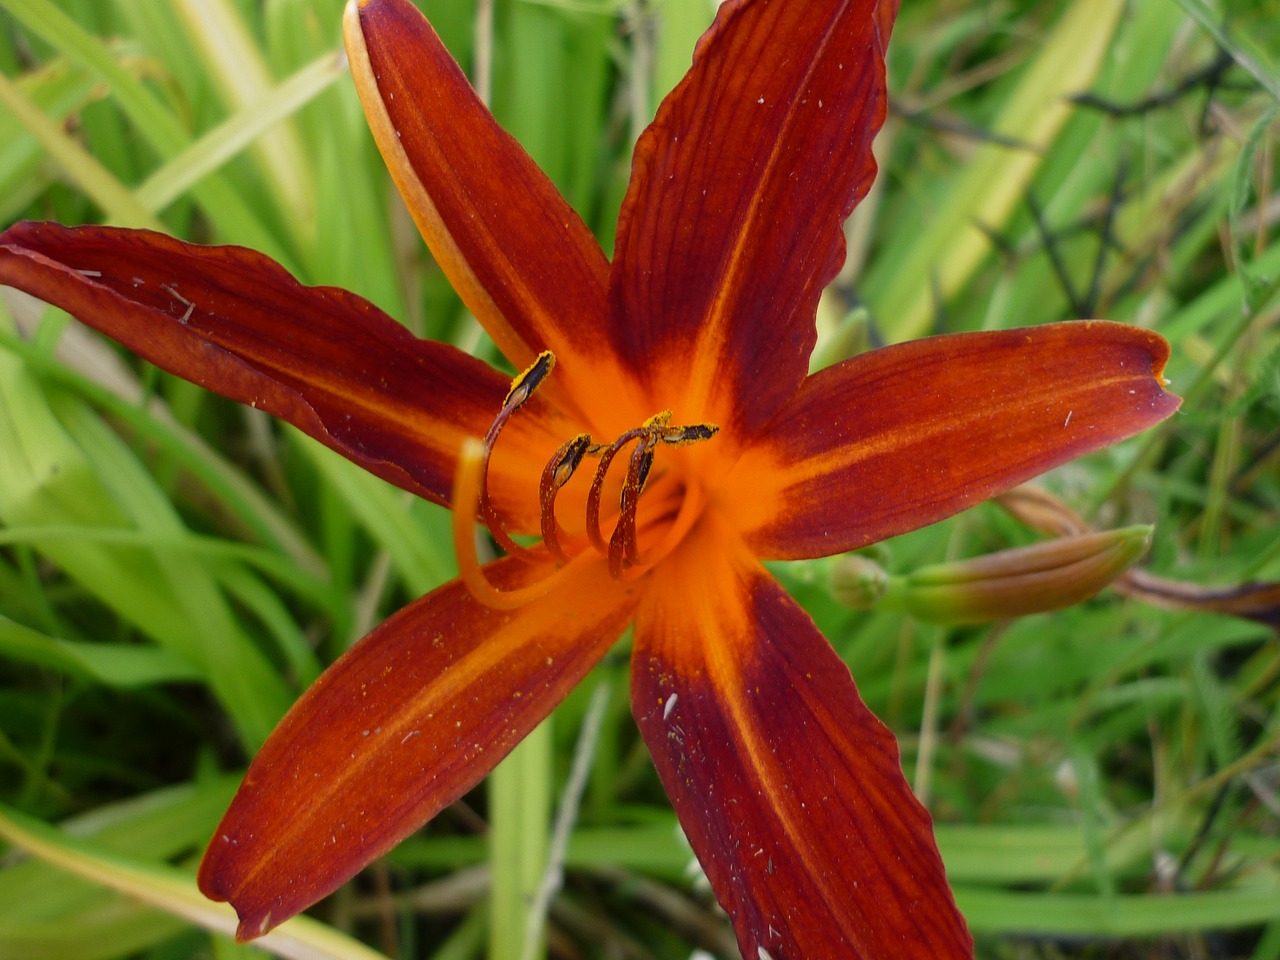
[682,23]
[239,130]
[519,818]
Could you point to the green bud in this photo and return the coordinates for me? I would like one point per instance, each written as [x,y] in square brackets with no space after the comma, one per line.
[1014,583]
[858,582]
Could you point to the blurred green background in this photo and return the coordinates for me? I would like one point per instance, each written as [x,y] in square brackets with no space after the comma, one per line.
[175,569]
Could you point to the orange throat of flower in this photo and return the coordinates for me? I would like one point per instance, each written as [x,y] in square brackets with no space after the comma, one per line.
[672,502]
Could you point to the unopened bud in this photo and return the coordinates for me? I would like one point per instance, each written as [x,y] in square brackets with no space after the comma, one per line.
[1259,601]
[1015,583]
[858,582]
[1041,511]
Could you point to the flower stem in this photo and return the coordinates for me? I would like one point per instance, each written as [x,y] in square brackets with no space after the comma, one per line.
[519,816]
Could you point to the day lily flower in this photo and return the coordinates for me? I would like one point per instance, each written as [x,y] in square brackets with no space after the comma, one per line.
[663,438]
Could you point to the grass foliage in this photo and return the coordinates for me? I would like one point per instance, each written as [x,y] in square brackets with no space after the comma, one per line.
[175,569]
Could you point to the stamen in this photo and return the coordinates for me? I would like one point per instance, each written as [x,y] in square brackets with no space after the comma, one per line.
[466,502]
[654,425]
[471,496]
[554,476]
[623,545]
[522,388]
[597,489]
[691,503]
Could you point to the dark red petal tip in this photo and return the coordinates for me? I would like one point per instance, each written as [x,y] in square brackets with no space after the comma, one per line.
[516,252]
[404,723]
[901,437]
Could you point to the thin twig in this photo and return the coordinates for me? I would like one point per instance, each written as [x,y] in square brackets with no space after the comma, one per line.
[929,725]
[1208,78]
[1106,239]
[1056,261]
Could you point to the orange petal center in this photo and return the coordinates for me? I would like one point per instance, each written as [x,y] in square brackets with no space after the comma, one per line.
[654,510]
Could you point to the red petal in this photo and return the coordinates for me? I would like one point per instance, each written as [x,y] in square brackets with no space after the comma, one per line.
[513,248]
[403,724]
[732,222]
[902,437]
[788,787]
[327,361]
[886,13]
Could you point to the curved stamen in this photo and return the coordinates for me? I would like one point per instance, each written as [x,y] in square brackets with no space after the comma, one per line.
[597,488]
[554,476]
[655,425]
[466,501]
[691,504]
[522,388]
[471,496]
[623,547]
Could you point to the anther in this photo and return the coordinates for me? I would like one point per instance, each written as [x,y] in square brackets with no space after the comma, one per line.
[644,457]
[522,387]
[679,436]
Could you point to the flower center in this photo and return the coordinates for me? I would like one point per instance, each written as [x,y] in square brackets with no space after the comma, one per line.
[621,547]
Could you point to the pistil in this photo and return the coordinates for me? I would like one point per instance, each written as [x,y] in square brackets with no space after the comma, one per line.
[467,488]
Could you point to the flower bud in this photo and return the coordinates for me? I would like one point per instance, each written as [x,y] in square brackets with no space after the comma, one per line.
[858,582]
[1041,511]
[1014,583]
